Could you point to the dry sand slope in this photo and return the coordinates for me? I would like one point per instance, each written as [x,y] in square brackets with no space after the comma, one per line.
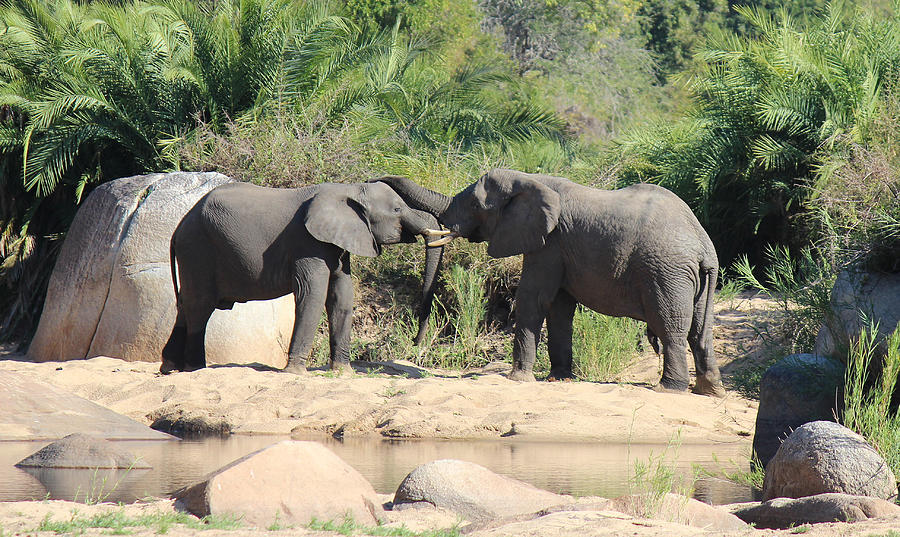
[481,404]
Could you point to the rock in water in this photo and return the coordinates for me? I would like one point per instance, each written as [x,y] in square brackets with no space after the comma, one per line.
[823,456]
[290,483]
[473,491]
[82,451]
[795,390]
[111,292]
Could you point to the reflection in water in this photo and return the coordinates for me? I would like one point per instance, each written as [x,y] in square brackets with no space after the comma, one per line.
[578,468]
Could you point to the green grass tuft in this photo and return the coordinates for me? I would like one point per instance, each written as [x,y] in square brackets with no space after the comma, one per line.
[349,526]
[867,401]
[119,522]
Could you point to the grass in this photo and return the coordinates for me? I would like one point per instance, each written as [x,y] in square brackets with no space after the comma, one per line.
[753,477]
[730,288]
[348,526]
[98,492]
[120,523]
[603,346]
[867,400]
[801,285]
[657,476]
[466,287]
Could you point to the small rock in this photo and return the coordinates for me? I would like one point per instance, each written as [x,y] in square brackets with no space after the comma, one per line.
[823,456]
[289,482]
[473,491]
[82,451]
[830,507]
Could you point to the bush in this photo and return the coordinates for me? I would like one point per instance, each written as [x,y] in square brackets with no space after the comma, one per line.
[280,150]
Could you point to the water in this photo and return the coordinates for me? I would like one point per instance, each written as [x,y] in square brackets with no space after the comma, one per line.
[578,468]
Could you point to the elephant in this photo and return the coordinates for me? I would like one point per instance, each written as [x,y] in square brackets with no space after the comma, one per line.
[244,242]
[635,252]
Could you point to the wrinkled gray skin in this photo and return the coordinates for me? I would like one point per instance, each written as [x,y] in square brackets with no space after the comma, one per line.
[637,252]
[245,242]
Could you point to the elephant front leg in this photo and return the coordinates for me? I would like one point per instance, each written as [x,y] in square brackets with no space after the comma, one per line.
[538,286]
[310,289]
[339,306]
[559,336]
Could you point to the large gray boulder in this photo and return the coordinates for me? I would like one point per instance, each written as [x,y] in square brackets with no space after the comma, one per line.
[795,390]
[291,483]
[472,491]
[824,456]
[857,298]
[780,513]
[111,292]
[82,451]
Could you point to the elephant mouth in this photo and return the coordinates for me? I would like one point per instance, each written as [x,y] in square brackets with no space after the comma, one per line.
[445,236]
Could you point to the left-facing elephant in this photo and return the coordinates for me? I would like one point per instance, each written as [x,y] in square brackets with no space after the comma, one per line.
[243,242]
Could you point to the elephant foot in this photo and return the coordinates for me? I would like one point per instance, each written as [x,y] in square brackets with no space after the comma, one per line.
[167,367]
[520,375]
[565,376]
[659,388]
[192,367]
[711,388]
[295,368]
[670,386]
[341,368]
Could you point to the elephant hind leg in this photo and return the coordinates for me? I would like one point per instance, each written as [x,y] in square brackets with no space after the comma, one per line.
[173,352]
[668,314]
[700,338]
[196,318]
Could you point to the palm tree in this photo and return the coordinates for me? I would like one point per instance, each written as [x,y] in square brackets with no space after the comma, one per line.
[763,108]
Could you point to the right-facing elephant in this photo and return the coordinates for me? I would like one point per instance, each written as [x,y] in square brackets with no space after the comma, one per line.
[636,252]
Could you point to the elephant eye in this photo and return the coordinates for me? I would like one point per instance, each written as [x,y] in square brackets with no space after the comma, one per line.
[398,209]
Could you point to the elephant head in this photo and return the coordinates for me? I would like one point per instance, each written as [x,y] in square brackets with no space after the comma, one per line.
[372,214]
[510,210]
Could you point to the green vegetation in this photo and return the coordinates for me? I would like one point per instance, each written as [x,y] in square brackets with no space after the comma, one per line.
[348,526]
[753,477]
[867,401]
[771,119]
[656,477]
[603,346]
[119,522]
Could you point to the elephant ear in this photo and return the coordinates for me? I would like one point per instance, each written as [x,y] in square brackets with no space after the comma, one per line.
[528,212]
[341,220]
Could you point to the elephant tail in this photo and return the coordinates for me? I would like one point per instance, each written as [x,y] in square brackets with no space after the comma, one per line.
[709,274]
[174,270]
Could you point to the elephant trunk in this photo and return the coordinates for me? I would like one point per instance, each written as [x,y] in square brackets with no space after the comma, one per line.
[433,256]
[417,196]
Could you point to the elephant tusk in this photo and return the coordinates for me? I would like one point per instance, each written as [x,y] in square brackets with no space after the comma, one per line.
[438,232]
[442,241]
